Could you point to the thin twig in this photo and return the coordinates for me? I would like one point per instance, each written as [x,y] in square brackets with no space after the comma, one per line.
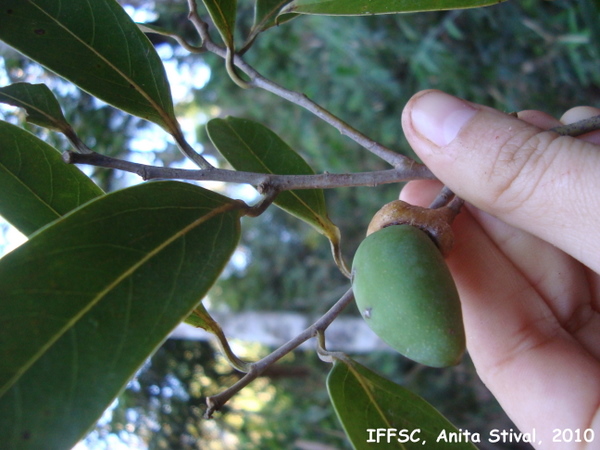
[397,160]
[215,402]
[265,183]
[578,128]
[393,158]
[442,199]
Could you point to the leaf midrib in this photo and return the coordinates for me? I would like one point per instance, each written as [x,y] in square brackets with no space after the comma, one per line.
[169,121]
[98,297]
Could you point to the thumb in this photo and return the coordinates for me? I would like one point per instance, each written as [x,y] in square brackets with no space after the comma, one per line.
[533,179]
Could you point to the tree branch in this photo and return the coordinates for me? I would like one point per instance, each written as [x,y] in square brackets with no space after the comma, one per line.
[265,183]
[395,159]
[215,402]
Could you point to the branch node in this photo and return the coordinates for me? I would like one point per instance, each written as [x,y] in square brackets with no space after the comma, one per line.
[143,173]
[69,157]
[266,187]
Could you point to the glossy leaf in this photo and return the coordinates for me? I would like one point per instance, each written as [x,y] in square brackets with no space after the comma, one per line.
[252,147]
[364,400]
[98,47]
[223,12]
[39,103]
[266,11]
[266,15]
[369,7]
[86,301]
[37,186]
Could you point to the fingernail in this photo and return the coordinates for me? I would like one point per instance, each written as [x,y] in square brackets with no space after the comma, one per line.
[439,117]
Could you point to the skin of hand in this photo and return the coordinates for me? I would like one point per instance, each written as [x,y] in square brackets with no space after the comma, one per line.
[526,257]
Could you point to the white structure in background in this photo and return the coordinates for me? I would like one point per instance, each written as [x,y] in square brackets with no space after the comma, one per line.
[274,329]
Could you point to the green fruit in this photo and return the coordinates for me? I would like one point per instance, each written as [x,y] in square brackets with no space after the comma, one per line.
[405,292]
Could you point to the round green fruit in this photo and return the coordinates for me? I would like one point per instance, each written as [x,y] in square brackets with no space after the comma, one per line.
[406,294]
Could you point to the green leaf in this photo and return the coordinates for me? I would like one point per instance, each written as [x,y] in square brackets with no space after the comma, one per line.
[39,103]
[98,47]
[86,300]
[265,14]
[37,186]
[252,147]
[363,400]
[369,7]
[222,13]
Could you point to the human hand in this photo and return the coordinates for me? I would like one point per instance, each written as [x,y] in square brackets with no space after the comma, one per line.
[526,257]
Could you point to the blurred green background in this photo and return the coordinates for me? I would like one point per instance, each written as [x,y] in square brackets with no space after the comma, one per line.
[526,54]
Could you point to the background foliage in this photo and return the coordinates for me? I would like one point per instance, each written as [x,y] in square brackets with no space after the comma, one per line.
[529,54]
